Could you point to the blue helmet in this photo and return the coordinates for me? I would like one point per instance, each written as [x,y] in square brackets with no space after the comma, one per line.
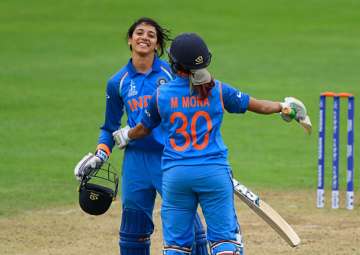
[188,51]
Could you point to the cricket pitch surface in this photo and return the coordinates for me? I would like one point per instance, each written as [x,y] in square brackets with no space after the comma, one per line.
[60,231]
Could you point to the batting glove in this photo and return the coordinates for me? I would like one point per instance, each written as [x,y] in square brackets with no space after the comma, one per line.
[121,137]
[293,108]
[89,163]
[287,113]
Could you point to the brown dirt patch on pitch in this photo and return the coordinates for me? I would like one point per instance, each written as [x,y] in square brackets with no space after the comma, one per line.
[69,231]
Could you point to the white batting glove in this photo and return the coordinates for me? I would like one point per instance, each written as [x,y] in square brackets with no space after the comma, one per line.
[287,113]
[293,108]
[121,137]
[89,163]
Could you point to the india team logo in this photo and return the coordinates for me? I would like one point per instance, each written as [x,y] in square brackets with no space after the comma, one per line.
[161,81]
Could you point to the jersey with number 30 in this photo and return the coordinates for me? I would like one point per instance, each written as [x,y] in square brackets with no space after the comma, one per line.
[192,124]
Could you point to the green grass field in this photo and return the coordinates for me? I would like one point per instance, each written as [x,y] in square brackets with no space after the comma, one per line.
[56,56]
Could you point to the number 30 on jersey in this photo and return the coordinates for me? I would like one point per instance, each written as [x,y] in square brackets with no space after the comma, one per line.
[192,138]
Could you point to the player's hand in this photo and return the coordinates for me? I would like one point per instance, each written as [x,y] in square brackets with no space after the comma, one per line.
[89,163]
[121,137]
[293,108]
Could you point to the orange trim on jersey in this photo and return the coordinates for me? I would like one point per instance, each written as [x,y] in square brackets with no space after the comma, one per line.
[221,95]
[328,94]
[103,147]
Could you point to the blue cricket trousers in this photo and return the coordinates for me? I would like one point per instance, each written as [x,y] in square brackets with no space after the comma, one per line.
[141,178]
[183,188]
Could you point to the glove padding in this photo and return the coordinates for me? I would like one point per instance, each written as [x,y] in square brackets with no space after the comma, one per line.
[87,164]
[293,108]
[121,137]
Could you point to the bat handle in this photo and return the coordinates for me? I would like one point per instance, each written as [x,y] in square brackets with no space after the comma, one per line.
[291,112]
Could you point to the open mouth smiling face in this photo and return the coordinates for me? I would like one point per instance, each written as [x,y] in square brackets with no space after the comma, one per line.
[144,39]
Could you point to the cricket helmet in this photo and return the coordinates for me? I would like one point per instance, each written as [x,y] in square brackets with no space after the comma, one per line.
[98,189]
[188,51]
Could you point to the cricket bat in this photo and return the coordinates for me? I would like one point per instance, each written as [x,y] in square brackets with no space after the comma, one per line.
[267,213]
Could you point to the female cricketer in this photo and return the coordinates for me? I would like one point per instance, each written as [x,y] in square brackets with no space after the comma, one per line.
[190,109]
[131,89]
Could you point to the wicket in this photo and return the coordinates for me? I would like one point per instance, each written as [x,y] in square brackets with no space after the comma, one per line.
[335,151]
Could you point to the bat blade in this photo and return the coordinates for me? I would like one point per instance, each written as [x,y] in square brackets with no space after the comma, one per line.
[267,213]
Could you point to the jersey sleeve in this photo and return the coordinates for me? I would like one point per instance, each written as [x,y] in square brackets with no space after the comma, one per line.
[150,116]
[234,100]
[113,114]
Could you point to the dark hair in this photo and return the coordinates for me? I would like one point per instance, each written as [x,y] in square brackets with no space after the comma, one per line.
[163,34]
[204,90]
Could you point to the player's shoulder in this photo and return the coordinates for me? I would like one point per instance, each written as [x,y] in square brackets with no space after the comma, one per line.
[165,68]
[219,83]
[118,76]
[161,62]
[167,85]
[223,86]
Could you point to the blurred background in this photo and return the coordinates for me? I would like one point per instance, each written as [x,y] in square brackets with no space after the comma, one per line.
[56,57]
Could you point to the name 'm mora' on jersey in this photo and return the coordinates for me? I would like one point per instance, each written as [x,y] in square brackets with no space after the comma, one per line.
[192,124]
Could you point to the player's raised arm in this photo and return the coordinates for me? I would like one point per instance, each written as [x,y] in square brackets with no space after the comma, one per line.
[264,106]
[290,109]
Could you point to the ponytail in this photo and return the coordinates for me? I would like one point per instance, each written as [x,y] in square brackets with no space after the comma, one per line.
[201,82]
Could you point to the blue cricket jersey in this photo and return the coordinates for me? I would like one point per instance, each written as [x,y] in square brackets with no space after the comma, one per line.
[192,124]
[131,91]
